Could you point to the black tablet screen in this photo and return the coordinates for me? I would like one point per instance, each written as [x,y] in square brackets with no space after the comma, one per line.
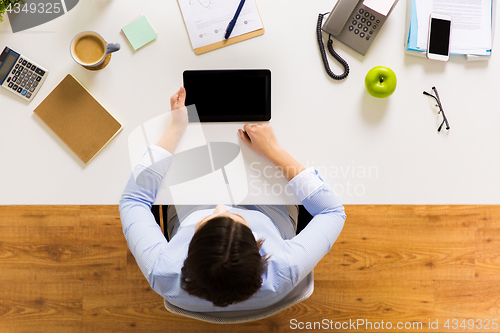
[229,95]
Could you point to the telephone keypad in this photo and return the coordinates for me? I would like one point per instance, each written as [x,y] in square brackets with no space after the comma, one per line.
[365,23]
[357,29]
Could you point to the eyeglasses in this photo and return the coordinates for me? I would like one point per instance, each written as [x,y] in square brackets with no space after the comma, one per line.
[438,101]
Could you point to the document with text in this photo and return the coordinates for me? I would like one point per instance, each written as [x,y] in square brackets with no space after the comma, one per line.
[470,27]
[207,20]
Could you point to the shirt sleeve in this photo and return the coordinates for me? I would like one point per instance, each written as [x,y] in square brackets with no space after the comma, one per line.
[144,237]
[305,250]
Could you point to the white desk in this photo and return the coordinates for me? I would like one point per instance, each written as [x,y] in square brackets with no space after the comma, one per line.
[371,151]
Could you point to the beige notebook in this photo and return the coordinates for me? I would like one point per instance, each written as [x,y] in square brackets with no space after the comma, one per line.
[78,119]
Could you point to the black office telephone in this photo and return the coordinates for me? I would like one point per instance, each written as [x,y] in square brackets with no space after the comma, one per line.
[352,23]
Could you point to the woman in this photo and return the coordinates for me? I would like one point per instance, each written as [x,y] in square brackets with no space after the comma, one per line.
[227,258]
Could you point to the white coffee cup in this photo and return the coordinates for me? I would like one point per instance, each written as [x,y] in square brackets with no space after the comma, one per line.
[89,49]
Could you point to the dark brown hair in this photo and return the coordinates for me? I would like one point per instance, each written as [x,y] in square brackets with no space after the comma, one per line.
[223,264]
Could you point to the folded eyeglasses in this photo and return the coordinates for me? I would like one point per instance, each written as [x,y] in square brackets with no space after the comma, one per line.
[438,101]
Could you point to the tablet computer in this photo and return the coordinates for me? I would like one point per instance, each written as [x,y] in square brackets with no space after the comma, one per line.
[228,95]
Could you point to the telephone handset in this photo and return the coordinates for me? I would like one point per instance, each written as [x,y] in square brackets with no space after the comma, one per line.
[352,23]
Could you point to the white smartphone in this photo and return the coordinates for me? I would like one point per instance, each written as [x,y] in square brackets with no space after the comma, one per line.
[438,42]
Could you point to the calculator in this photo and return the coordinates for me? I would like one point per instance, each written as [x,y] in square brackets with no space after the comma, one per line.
[20,75]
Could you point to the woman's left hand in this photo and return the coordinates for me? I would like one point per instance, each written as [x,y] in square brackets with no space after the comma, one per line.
[179,110]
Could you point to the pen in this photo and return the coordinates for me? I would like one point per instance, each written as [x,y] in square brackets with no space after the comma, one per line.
[232,23]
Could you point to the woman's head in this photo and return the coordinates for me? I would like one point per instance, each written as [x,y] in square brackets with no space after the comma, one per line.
[223,265]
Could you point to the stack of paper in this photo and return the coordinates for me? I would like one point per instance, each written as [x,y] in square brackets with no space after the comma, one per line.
[471,27]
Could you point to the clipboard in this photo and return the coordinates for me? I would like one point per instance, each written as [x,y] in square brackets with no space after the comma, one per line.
[226,42]
[230,41]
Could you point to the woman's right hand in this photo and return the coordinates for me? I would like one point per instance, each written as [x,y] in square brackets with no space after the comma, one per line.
[261,139]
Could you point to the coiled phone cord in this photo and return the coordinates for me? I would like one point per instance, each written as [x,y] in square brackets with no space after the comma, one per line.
[332,52]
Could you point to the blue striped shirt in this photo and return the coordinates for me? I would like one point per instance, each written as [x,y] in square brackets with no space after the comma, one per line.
[291,257]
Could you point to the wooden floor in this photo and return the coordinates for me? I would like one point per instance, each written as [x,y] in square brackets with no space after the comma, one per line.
[68,269]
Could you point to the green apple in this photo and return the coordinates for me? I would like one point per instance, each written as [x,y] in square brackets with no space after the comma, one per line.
[380,82]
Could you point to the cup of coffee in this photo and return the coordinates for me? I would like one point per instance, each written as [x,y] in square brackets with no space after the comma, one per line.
[89,49]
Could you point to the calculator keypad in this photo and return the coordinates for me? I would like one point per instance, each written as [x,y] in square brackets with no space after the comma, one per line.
[364,24]
[25,78]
